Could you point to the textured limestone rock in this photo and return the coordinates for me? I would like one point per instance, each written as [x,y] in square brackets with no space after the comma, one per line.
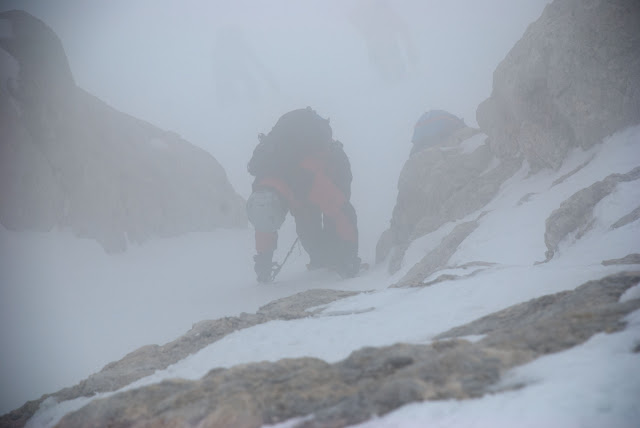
[441,184]
[69,160]
[555,322]
[373,380]
[299,305]
[570,81]
[629,218]
[479,267]
[575,215]
[438,257]
[572,172]
[629,259]
[146,360]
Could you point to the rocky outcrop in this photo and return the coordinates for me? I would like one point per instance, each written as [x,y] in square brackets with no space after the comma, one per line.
[148,359]
[629,218]
[569,82]
[573,316]
[441,184]
[438,257]
[68,160]
[629,259]
[373,381]
[575,215]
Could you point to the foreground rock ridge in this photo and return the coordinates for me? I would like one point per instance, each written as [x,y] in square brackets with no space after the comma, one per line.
[68,160]
[373,381]
[148,359]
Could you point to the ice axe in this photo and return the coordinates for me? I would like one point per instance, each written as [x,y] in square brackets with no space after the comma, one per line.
[277,267]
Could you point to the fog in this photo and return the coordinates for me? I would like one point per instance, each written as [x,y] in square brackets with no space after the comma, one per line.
[218,72]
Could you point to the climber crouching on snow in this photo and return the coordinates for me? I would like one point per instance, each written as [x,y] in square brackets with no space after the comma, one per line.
[299,168]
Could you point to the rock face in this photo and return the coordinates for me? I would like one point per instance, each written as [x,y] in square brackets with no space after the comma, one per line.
[439,184]
[373,380]
[575,215]
[69,160]
[439,256]
[569,82]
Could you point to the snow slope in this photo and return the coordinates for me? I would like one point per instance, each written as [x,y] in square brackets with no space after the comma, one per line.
[590,385]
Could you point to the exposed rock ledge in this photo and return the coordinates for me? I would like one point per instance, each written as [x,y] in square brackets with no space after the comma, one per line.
[571,80]
[146,360]
[575,215]
[373,380]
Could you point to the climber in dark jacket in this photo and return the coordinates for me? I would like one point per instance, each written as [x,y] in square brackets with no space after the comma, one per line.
[300,169]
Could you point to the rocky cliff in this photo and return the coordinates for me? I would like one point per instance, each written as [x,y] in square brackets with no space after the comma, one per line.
[441,184]
[568,83]
[68,160]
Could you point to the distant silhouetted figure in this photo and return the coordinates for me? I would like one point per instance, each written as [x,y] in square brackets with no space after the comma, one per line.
[239,74]
[389,43]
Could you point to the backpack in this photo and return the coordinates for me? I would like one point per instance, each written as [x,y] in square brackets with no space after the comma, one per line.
[294,134]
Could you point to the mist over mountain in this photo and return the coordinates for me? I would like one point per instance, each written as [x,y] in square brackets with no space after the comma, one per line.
[504,285]
[71,161]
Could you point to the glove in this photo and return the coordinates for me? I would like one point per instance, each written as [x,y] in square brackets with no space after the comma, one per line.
[264,266]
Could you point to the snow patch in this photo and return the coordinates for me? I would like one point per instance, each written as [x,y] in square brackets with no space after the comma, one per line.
[631,294]
[471,144]
[495,162]
[601,242]
[620,202]
[51,412]
[473,338]
[423,245]
[591,385]
[291,423]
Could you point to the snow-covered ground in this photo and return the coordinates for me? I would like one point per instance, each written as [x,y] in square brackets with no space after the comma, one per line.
[592,385]
[155,292]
